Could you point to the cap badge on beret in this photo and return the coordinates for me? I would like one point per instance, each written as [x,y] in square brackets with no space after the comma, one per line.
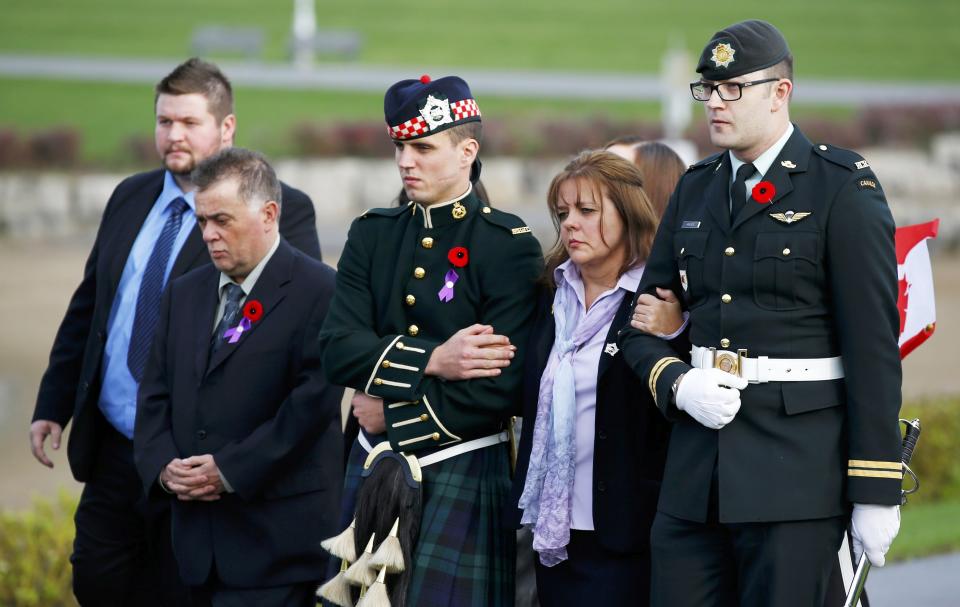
[722,55]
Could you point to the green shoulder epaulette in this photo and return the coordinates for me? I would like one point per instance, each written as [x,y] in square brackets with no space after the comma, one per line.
[843,157]
[504,220]
[708,161]
[385,211]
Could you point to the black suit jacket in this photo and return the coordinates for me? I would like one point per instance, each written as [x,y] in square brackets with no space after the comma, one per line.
[264,409]
[630,438]
[70,387]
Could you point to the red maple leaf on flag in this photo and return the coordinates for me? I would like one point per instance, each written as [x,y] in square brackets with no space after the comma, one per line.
[903,300]
[915,281]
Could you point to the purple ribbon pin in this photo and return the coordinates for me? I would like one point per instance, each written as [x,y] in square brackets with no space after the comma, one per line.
[449,279]
[233,335]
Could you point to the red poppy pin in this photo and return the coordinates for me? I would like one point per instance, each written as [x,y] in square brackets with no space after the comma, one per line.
[458,256]
[253,310]
[763,192]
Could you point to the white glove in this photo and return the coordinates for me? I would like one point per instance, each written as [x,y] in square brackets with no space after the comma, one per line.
[873,528]
[710,396]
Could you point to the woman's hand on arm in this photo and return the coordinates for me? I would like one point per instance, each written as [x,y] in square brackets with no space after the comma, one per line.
[661,315]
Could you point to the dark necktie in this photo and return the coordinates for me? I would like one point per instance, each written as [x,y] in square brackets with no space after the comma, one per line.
[738,193]
[151,287]
[231,314]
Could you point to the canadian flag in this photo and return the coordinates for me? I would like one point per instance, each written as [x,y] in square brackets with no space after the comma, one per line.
[918,314]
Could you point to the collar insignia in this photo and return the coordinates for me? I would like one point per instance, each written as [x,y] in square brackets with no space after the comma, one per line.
[722,55]
[458,211]
[611,349]
[790,216]
[788,164]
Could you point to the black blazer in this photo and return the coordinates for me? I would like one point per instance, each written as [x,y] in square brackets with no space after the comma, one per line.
[70,387]
[264,409]
[630,439]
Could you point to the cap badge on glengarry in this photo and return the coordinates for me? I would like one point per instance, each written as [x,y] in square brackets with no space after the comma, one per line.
[722,55]
[436,111]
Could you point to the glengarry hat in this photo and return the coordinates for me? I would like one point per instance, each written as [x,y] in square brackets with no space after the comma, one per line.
[423,107]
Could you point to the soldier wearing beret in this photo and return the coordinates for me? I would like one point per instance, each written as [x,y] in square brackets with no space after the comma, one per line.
[431,296]
[782,251]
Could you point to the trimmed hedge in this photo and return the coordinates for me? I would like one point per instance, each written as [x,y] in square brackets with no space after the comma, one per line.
[523,136]
[35,548]
[936,460]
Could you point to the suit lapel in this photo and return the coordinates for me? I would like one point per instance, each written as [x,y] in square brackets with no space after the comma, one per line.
[797,152]
[270,290]
[193,248]
[717,193]
[129,220]
[207,301]
[610,344]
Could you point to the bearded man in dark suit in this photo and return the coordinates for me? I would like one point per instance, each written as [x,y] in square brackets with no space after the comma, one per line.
[147,237]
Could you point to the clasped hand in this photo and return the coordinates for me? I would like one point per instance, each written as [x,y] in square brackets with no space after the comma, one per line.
[195,478]
[471,353]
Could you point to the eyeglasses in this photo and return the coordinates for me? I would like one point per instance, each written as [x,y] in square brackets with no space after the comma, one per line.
[728,91]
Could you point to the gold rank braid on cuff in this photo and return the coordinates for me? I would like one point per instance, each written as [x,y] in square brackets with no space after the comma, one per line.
[874,469]
[658,368]
[875,474]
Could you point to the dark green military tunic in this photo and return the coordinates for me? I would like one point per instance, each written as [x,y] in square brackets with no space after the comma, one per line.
[385,321]
[782,284]
[387,317]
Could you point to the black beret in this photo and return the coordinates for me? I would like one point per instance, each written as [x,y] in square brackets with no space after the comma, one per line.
[422,107]
[742,48]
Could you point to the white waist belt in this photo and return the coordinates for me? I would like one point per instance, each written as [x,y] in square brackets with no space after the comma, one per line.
[459,449]
[762,369]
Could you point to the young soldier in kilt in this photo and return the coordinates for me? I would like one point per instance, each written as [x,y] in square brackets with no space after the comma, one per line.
[430,298]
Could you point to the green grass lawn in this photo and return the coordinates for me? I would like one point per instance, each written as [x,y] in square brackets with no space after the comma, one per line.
[927,529]
[882,39]
[885,39]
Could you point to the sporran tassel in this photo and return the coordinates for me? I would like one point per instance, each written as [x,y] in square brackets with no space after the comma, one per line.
[337,590]
[360,573]
[377,595]
[390,553]
[342,546]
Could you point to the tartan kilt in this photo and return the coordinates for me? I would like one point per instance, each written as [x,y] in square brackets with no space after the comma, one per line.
[465,555]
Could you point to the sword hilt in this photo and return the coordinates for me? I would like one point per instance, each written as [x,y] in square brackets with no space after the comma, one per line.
[910,439]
